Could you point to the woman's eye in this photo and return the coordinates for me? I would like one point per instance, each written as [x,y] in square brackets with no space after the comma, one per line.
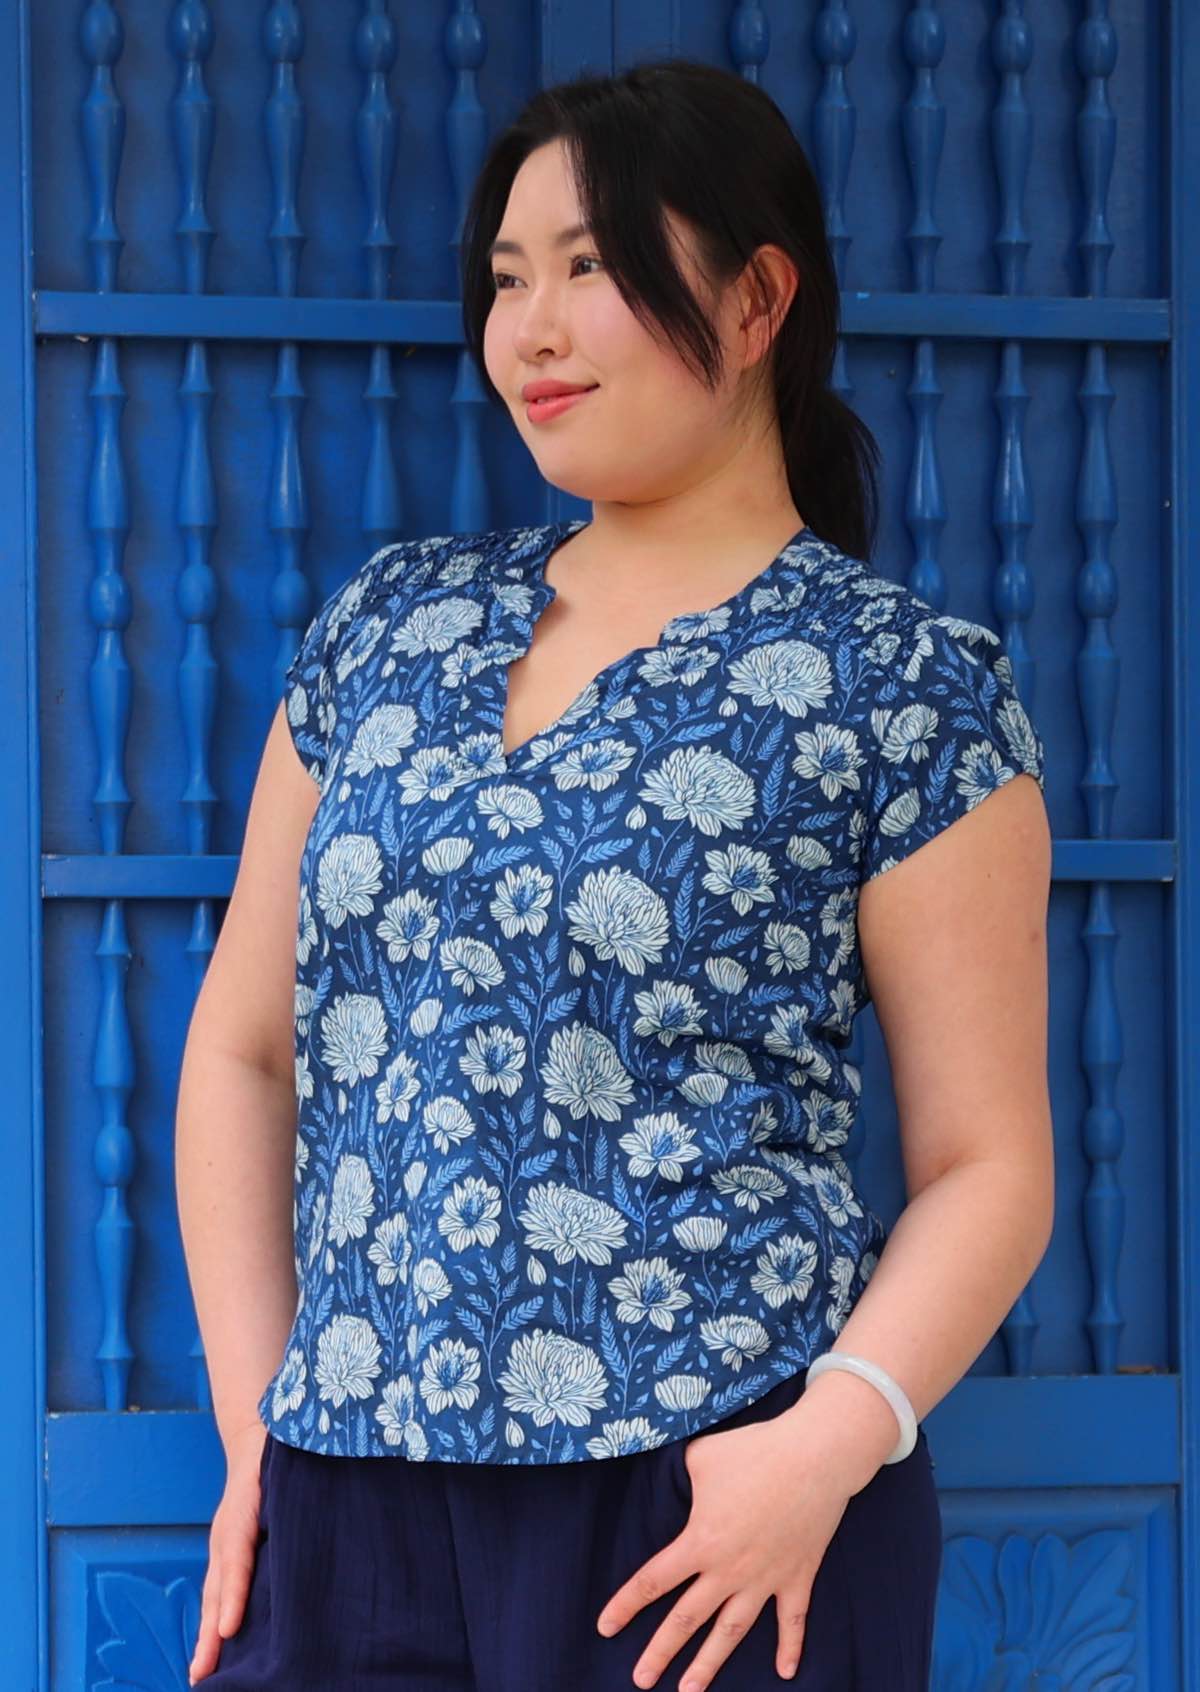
[501,277]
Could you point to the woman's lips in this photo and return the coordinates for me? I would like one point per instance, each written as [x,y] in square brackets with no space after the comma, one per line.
[541,411]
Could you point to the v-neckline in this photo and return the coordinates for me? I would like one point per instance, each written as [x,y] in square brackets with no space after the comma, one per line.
[544,593]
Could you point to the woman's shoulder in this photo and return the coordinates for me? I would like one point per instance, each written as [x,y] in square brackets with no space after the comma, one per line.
[887,626]
[405,572]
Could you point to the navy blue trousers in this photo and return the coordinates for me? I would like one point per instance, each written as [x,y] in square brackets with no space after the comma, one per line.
[380,1574]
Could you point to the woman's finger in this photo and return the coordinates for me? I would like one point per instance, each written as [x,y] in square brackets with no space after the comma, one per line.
[208,1644]
[233,1550]
[236,1575]
[658,1574]
[690,1611]
[733,1622]
[791,1608]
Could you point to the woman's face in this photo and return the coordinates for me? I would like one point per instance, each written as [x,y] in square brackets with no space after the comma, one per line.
[649,427]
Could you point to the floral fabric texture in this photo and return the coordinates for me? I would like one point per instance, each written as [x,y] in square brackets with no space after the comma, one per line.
[571,1022]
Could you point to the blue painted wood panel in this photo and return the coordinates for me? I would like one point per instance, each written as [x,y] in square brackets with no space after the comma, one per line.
[233,365]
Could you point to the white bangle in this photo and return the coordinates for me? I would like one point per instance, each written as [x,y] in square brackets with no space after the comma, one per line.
[891,1390]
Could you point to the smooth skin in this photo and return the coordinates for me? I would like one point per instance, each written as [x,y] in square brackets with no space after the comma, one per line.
[234,1158]
[962,999]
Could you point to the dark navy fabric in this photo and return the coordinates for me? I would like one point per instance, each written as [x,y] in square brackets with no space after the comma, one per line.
[373,1575]
[572,1021]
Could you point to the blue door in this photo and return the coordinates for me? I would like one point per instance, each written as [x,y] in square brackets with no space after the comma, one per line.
[232,367]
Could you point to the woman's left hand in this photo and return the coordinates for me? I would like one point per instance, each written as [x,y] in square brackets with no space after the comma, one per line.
[765,1505]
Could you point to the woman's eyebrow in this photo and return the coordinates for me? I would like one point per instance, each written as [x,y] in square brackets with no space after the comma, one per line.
[562,239]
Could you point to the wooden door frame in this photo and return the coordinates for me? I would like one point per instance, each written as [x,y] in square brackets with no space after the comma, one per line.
[24,1525]
[23,1531]
[1181,153]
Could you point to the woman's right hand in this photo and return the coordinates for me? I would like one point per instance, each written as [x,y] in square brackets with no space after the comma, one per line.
[232,1548]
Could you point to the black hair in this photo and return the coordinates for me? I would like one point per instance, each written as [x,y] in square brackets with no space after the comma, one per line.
[717,151]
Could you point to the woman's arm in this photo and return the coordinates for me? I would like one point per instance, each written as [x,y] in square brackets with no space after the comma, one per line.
[236,1108]
[954,948]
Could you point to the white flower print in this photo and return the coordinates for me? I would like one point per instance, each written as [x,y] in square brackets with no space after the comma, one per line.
[698,625]
[785,1269]
[668,1010]
[660,1144]
[626,1435]
[677,666]
[481,755]
[447,854]
[828,1121]
[470,963]
[399,1087]
[553,1379]
[354,1036]
[447,1121]
[596,765]
[616,914]
[522,901]
[358,646]
[839,916]
[408,926]
[788,1033]
[748,1185]
[571,1224]
[841,1282]
[727,975]
[981,772]
[649,1290]
[725,1058]
[470,1216]
[437,627]
[808,853]
[830,756]
[792,675]
[425,1017]
[704,786]
[352,1199]
[380,739]
[394,1413]
[433,773]
[450,1376]
[835,1195]
[786,947]
[682,1392]
[289,1385]
[431,1284]
[701,1233]
[391,1250]
[347,1359]
[316,1226]
[908,734]
[507,808]
[349,874]
[494,1059]
[296,708]
[584,1072]
[739,1339]
[306,928]
[741,873]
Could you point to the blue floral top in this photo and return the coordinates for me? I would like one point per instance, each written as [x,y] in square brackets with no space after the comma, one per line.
[571,1023]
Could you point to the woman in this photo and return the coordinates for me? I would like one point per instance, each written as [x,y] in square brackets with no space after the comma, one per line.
[606,830]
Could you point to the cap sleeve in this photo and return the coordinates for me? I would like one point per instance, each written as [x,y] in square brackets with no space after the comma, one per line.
[308,688]
[310,701]
[949,729]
